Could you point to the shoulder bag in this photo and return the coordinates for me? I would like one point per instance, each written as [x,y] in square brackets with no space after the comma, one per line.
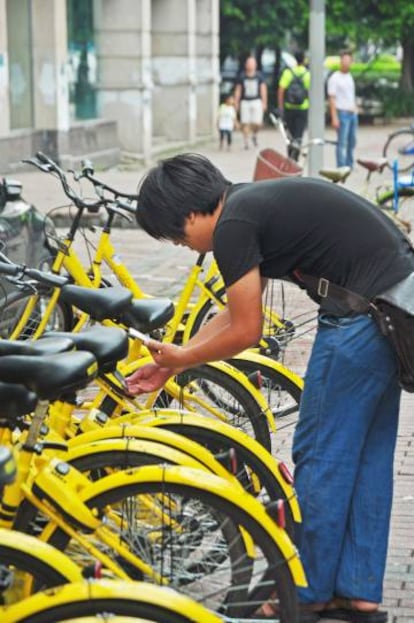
[393,310]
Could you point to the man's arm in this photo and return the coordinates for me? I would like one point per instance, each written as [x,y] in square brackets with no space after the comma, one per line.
[226,334]
[237,96]
[332,102]
[263,94]
[333,112]
[230,332]
[281,98]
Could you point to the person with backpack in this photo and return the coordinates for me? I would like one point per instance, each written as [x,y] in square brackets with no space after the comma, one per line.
[293,102]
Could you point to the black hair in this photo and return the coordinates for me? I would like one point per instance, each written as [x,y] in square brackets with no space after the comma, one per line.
[300,57]
[175,188]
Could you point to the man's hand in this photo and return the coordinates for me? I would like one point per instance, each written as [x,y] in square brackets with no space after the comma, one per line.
[147,379]
[166,355]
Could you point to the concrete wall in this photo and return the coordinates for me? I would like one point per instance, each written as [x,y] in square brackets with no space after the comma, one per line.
[158,77]
[4,73]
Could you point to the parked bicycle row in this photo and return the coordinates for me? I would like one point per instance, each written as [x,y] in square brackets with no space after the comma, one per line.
[176,488]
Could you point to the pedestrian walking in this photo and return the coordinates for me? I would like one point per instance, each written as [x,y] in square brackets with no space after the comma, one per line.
[345,439]
[250,96]
[343,110]
[226,121]
[293,102]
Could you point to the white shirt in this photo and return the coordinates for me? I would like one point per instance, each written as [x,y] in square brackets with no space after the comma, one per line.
[342,86]
[226,117]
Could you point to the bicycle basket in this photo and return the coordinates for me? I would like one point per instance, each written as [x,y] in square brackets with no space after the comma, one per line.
[271,164]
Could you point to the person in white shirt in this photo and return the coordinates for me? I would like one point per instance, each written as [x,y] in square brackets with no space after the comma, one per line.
[343,110]
[226,121]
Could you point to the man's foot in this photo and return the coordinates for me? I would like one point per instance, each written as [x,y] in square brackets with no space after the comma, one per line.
[354,611]
[254,140]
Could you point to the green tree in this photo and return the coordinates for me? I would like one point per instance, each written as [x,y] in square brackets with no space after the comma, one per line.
[381,21]
[247,25]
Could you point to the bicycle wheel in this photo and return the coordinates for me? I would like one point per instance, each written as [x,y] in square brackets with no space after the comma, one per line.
[14,307]
[210,386]
[256,470]
[111,601]
[190,536]
[400,146]
[26,563]
[404,217]
[283,395]
[219,447]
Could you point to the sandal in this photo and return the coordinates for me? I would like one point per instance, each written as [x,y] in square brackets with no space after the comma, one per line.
[355,616]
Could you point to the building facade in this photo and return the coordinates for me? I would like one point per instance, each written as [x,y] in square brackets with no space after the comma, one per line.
[96,77]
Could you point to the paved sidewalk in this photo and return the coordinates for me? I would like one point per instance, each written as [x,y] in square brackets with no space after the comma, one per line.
[161,269]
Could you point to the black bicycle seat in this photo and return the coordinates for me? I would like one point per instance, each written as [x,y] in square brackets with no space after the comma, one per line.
[146,315]
[16,401]
[35,348]
[100,304]
[50,376]
[108,344]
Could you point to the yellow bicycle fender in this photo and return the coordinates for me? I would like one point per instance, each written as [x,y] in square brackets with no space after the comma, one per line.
[164,417]
[158,435]
[133,592]
[43,551]
[250,355]
[55,484]
[165,453]
[205,481]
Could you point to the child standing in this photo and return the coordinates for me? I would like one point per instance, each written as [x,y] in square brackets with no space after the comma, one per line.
[226,121]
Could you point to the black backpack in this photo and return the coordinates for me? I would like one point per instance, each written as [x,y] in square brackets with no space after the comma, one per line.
[296,93]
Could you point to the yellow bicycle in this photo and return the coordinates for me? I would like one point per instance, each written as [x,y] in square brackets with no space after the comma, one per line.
[172,525]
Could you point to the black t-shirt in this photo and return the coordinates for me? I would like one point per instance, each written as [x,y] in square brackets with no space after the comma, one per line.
[312,226]
[250,86]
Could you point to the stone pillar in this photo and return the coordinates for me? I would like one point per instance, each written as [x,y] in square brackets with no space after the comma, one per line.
[208,65]
[50,84]
[124,87]
[174,69]
[4,73]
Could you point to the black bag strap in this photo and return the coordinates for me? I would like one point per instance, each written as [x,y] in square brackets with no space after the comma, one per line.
[326,289]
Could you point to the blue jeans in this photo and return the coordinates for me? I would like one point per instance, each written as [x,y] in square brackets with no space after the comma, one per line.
[346,136]
[343,450]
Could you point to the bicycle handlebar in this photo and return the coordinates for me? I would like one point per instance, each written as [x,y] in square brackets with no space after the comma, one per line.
[10,269]
[88,173]
[47,165]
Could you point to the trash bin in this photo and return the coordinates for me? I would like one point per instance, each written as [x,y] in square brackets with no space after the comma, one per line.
[271,164]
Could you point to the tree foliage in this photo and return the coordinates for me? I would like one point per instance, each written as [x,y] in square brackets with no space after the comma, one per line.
[247,26]
[381,21]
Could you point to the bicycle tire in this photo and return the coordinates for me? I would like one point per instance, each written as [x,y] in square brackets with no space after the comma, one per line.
[245,591]
[404,217]
[255,469]
[98,464]
[13,309]
[240,408]
[244,457]
[33,564]
[129,605]
[394,149]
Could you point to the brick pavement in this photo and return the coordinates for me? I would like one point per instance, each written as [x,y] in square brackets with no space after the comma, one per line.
[162,269]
